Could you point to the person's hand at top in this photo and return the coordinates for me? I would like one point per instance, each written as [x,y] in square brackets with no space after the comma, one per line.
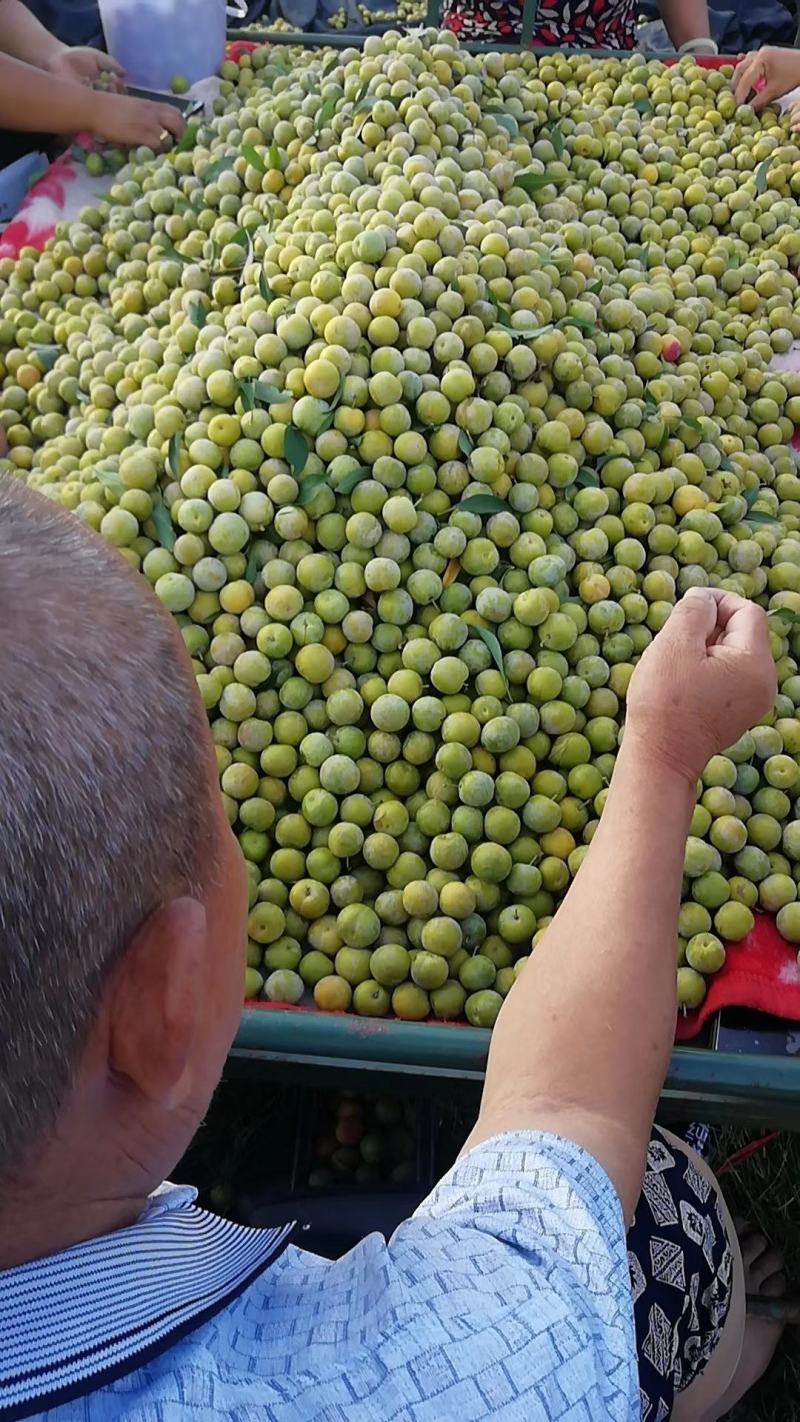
[82,64]
[766,74]
[704,680]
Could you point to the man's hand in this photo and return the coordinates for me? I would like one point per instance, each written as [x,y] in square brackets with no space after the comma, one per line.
[705,679]
[770,72]
[130,122]
[83,64]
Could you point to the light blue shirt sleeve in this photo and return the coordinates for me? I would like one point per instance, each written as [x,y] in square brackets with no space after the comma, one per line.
[506,1296]
[544,1279]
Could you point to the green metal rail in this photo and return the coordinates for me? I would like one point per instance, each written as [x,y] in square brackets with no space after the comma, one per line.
[717,1086]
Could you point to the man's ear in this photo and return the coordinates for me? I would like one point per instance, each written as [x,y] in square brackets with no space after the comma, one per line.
[155,1002]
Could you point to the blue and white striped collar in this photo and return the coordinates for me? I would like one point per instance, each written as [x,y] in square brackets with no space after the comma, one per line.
[72,1321]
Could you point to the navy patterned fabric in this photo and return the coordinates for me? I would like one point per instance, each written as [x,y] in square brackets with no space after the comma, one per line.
[681,1276]
[506,1296]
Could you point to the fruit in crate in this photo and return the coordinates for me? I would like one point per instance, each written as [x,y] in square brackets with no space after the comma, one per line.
[364,1141]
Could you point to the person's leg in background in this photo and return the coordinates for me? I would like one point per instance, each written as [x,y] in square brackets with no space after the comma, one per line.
[697,1353]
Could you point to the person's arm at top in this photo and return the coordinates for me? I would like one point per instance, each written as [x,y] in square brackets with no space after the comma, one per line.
[582,1044]
[33,102]
[24,37]
[685,20]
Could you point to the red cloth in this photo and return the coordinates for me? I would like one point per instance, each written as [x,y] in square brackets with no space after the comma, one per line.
[761,972]
[237,48]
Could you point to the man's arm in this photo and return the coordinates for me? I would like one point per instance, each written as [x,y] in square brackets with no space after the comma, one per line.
[582,1044]
[685,20]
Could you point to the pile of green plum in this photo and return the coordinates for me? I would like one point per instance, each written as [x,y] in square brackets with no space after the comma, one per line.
[420,386]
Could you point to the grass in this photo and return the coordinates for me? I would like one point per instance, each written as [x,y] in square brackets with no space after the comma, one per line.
[765,1191]
[247,1143]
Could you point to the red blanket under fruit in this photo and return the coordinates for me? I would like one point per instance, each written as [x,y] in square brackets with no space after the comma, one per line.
[761,972]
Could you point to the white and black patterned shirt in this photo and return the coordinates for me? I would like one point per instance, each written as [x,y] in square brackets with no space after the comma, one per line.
[507,1296]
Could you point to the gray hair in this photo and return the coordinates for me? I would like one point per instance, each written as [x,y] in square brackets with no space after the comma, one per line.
[105,797]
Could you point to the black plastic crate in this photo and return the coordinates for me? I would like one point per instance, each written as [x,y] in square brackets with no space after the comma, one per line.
[338,1192]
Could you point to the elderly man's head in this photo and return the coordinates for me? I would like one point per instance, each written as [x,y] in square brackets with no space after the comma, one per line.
[121,889]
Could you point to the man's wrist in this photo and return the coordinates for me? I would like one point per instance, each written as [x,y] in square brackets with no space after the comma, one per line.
[654,760]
